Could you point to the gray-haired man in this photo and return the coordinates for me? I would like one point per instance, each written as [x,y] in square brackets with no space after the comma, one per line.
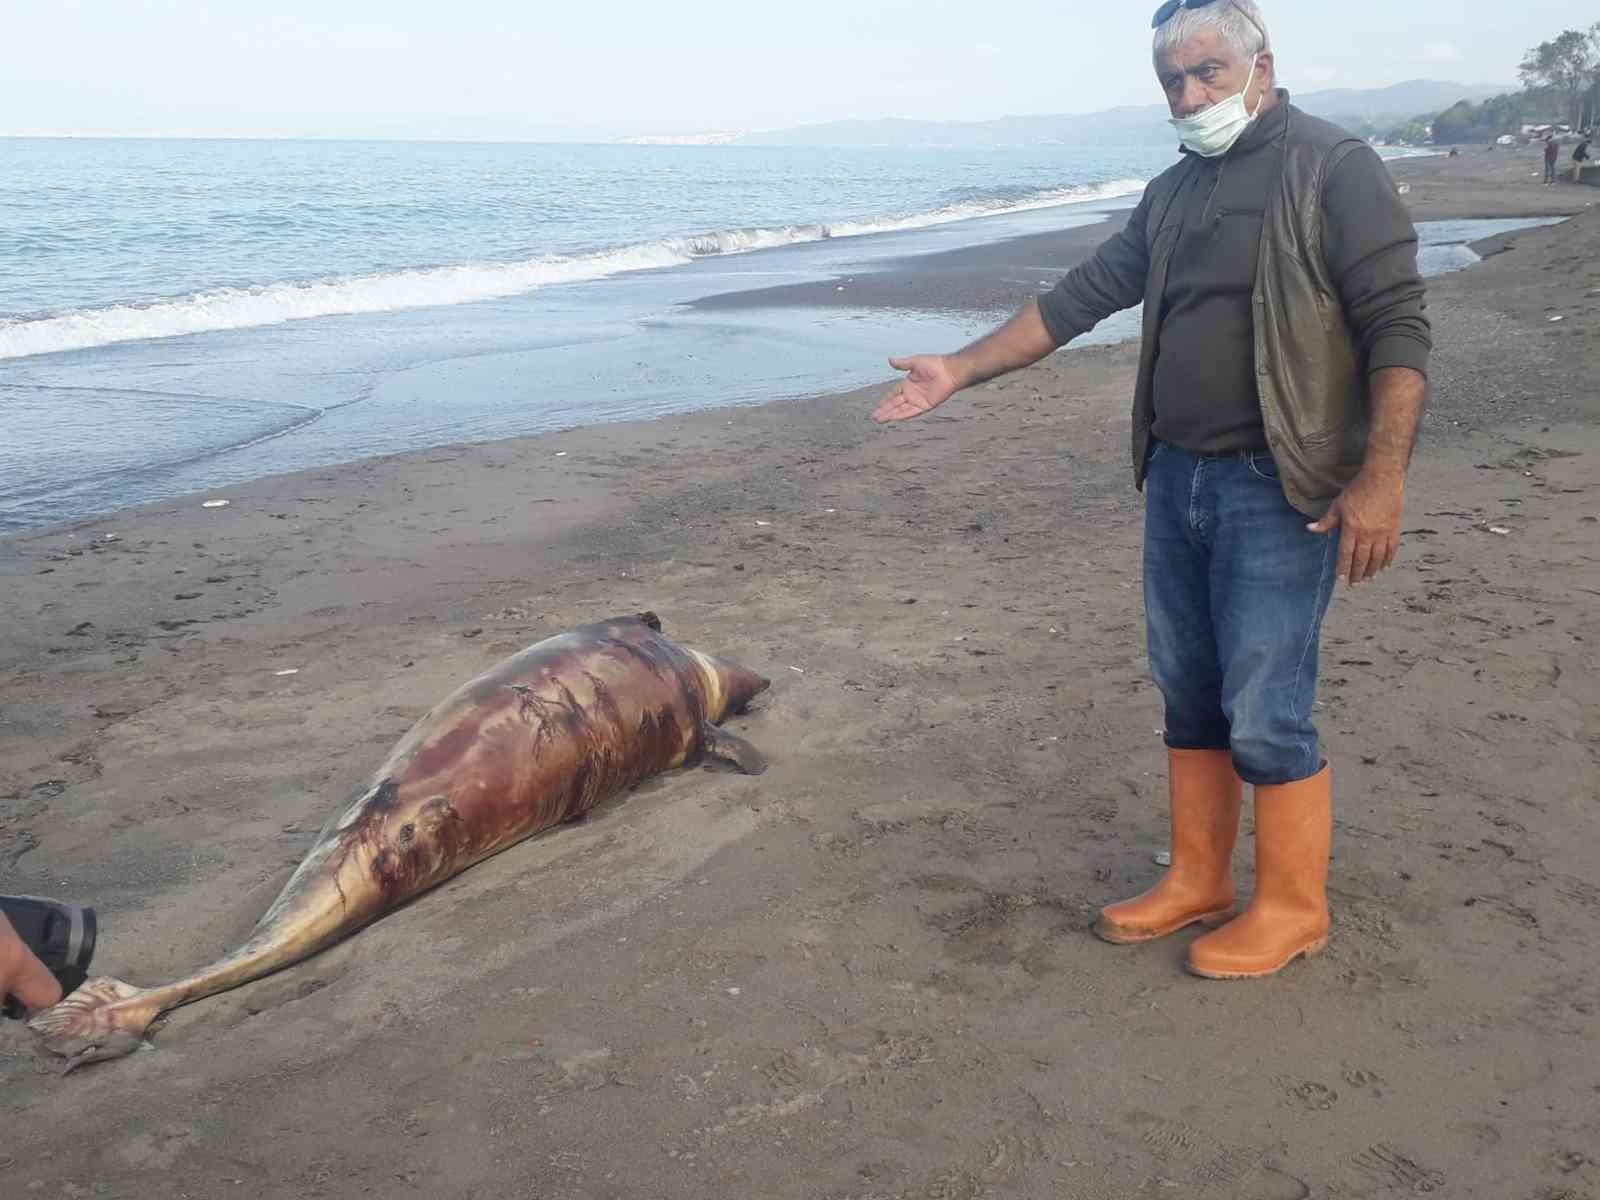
[1280,387]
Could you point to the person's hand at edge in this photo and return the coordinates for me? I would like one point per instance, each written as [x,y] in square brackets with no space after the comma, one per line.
[22,974]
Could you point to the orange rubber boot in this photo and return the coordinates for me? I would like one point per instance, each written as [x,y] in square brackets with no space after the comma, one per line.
[1288,916]
[1206,796]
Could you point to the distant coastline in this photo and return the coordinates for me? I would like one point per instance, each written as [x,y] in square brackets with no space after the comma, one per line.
[1398,101]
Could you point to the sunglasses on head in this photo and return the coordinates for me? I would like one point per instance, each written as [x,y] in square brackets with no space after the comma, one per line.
[1170,9]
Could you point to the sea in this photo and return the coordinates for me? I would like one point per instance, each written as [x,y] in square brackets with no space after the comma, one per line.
[180,315]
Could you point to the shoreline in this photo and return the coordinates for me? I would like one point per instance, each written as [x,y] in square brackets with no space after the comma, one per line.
[992,278]
[868,972]
[989,277]
[1002,275]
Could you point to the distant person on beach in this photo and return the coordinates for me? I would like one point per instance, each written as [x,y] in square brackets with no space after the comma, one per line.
[1580,155]
[1552,151]
[1281,383]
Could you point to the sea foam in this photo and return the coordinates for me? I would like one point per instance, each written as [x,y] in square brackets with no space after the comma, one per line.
[273,304]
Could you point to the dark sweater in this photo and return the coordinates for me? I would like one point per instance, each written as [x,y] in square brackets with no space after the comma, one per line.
[1205,384]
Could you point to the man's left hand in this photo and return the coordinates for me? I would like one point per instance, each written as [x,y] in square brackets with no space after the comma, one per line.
[1367,515]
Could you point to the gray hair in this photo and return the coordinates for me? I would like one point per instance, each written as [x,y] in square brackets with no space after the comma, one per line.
[1238,22]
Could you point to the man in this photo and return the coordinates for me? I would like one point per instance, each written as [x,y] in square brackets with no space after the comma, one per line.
[1580,156]
[1280,387]
[1552,151]
[22,975]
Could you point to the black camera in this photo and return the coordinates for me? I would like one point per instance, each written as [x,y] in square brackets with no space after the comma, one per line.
[62,935]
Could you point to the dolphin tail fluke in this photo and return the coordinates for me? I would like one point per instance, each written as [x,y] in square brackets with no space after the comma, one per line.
[103,1019]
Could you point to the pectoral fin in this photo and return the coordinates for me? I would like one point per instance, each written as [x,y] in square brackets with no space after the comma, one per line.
[734,749]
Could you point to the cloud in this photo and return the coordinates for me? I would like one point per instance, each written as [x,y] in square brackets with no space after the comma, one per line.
[986,50]
[1441,52]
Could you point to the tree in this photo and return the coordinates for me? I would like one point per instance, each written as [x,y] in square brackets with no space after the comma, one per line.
[1463,122]
[1417,132]
[1567,64]
[1591,96]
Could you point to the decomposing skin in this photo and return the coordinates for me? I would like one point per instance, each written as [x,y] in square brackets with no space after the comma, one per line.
[540,739]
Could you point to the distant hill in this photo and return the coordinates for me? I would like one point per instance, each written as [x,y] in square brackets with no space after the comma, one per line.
[1135,124]
[1414,98]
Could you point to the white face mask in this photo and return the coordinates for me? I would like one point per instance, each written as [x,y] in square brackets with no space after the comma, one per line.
[1213,131]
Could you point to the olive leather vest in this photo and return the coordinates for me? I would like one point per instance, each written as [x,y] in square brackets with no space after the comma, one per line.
[1309,372]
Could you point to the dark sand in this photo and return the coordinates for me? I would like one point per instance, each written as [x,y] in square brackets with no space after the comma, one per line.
[867,974]
[1486,181]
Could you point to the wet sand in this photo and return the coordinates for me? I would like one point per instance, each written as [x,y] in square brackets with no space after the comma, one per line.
[868,973]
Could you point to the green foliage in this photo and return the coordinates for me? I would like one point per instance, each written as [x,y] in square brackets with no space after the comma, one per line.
[1460,123]
[1484,122]
[1569,66]
[1561,85]
[1412,133]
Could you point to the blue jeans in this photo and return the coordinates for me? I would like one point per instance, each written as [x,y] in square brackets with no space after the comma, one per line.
[1235,589]
[1549,171]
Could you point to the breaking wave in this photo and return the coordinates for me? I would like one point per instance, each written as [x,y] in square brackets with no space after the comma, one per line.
[428,287]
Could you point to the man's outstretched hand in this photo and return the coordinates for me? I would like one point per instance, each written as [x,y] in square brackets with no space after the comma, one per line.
[929,382]
[1367,516]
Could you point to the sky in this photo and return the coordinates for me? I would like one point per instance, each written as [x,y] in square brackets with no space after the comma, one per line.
[544,68]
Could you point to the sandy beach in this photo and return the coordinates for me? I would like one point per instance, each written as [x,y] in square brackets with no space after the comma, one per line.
[867,974]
